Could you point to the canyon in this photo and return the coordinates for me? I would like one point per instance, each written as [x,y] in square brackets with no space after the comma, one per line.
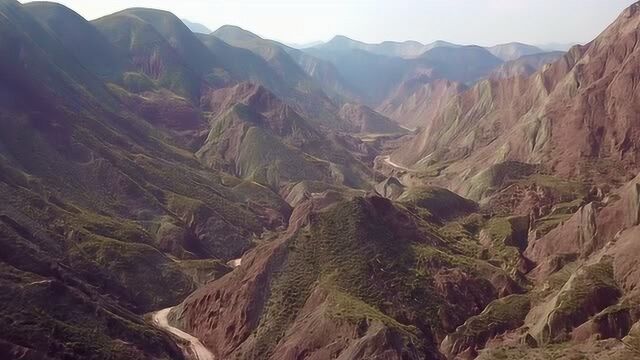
[178,194]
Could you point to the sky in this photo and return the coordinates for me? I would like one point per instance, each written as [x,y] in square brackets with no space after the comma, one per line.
[481,22]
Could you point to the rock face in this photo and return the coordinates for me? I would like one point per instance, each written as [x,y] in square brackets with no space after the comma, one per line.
[577,236]
[235,313]
[311,291]
[363,119]
[587,292]
[573,114]
[418,99]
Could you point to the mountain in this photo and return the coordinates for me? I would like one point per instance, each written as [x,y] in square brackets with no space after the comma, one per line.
[406,49]
[305,45]
[196,27]
[418,99]
[513,51]
[153,59]
[256,136]
[557,46]
[363,276]
[367,121]
[304,71]
[167,195]
[278,58]
[375,76]
[89,46]
[464,64]
[526,65]
[551,117]
[103,217]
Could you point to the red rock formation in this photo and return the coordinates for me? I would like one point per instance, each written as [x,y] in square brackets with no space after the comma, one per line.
[576,115]
[418,100]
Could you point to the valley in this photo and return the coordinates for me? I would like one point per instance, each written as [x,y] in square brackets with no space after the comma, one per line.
[168,192]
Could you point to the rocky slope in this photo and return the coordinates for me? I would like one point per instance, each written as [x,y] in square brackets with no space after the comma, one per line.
[137,160]
[256,136]
[365,120]
[317,82]
[103,218]
[418,99]
[573,115]
[363,278]
[526,65]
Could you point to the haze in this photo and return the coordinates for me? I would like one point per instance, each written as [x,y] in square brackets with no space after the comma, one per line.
[482,22]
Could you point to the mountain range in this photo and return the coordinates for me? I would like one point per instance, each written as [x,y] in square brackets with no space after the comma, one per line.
[171,192]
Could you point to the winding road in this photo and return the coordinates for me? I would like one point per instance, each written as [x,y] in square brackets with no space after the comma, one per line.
[387,159]
[199,351]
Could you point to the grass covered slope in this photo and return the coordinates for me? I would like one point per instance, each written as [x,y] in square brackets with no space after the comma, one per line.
[256,136]
[100,211]
[361,274]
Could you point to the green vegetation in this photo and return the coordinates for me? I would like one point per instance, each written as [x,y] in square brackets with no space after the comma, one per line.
[153,280]
[64,322]
[592,283]
[567,189]
[502,314]
[430,257]
[352,252]
[137,82]
[203,271]
[499,316]
[462,234]
[440,203]
[505,238]
[497,177]
[544,225]
[345,306]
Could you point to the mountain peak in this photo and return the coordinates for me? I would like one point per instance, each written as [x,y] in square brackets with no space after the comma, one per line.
[233,33]
[341,39]
[196,27]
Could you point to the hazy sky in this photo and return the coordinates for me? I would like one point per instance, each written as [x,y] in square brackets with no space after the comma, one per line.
[482,22]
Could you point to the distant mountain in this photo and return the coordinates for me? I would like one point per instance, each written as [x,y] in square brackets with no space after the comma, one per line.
[141,35]
[303,71]
[526,65]
[367,121]
[197,27]
[418,99]
[88,45]
[376,76]
[305,45]
[541,119]
[464,64]
[406,49]
[513,51]
[556,46]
